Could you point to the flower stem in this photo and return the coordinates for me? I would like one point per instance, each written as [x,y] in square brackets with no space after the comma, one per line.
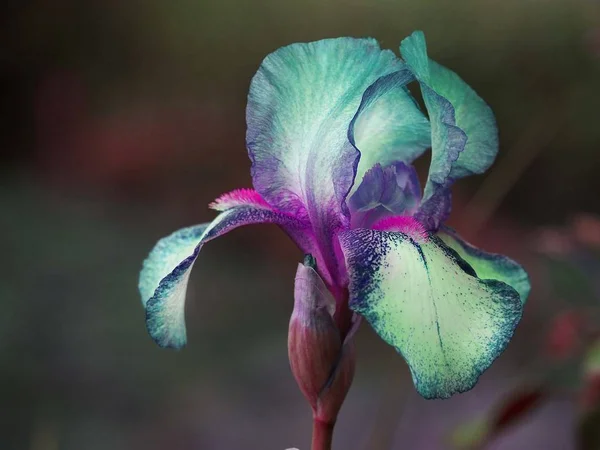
[322,435]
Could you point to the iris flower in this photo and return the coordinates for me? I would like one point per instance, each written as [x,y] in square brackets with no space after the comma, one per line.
[332,131]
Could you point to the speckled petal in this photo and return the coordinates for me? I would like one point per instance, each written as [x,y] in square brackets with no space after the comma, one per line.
[428,303]
[165,273]
[489,265]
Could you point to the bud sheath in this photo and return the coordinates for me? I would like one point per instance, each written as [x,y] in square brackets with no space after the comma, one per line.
[321,362]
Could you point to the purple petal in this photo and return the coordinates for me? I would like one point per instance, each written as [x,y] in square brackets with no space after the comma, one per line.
[437,207]
[385,192]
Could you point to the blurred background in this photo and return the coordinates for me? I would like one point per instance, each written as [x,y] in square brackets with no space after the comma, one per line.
[121,121]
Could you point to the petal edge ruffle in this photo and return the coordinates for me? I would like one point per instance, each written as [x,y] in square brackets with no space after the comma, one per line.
[464,136]
[489,265]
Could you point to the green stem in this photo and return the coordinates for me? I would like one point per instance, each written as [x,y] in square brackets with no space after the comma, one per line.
[322,435]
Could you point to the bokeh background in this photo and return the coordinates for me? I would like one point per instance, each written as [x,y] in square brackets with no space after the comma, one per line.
[122,120]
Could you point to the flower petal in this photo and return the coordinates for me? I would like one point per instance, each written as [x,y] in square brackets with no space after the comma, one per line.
[446,93]
[165,273]
[389,125]
[427,302]
[464,137]
[437,207]
[300,105]
[489,265]
[384,192]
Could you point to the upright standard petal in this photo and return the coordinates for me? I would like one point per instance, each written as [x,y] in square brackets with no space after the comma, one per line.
[489,265]
[300,105]
[464,137]
[165,273]
[426,301]
[471,114]
[389,126]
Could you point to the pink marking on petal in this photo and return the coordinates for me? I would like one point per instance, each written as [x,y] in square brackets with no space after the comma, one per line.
[239,197]
[404,224]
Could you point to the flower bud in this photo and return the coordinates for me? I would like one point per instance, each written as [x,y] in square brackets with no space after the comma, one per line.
[321,362]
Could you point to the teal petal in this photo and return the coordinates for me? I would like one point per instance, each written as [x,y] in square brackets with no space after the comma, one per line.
[165,273]
[489,265]
[463,129]
[389,126]
[428,303]
[300,106]
[163,284]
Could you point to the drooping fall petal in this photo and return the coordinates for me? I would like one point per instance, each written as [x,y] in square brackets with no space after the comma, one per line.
[166,270]
[427,302]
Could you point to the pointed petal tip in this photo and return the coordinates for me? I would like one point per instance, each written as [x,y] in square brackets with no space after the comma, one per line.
[309,261]
[416,38]
[166,342]
[165,311]
[310,291]
[164,337]
[413,49]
